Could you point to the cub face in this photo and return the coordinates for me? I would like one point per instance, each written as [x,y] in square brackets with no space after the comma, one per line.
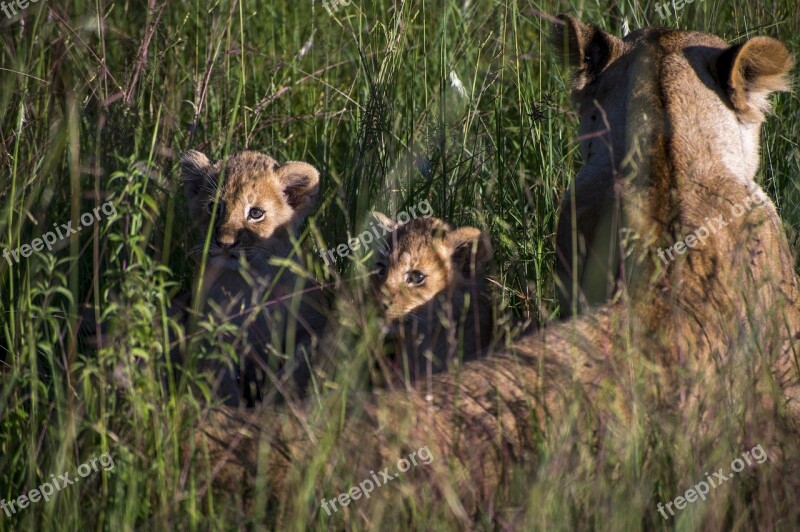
[259,203]
[426,259]
[428,281]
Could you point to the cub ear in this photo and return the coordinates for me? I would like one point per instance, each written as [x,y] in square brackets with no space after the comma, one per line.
[383,220]
[300,183]
[196,169]
[753,70]
[471,251]
[586,48]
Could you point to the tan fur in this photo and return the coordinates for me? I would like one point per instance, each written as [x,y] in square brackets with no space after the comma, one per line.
[669,342]
[588,249]
[429,281]
[241,282]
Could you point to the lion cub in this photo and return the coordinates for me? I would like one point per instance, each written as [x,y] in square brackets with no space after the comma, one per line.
[257,206]
[430,287]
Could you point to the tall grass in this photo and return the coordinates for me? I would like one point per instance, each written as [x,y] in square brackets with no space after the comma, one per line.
[99,100]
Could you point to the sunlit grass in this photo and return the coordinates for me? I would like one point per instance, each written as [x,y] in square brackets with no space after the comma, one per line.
[462,103]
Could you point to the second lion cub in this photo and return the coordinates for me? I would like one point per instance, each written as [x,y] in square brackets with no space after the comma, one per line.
[429,281]
[256,206]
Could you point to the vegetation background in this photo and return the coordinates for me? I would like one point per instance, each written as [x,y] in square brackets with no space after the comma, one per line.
[462,103]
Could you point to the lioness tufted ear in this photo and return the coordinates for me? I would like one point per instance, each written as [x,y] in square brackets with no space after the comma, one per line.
[586,48]
[753,70]
[196,169]
[383,220]
[471,250]
[300,184]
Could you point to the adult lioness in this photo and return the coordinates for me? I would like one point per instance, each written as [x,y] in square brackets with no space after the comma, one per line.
[429,282]
[588,234]
[670,347]
[257,206]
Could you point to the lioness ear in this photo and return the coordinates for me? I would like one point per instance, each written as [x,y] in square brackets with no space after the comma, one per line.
[751,71]
[472,251]
[586,48]
[300,184]
[383,220]
[196,168]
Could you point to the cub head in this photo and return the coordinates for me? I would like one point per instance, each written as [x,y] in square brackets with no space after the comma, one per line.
[256,202]
[427,262]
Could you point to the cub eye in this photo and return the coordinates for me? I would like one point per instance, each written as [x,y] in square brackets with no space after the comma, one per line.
[415,278]
[380,269]
[255,214]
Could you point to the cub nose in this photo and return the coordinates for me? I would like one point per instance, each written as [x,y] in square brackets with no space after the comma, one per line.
[227,242]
